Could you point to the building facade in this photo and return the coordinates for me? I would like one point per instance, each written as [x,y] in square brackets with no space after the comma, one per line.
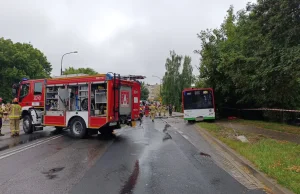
[153,91]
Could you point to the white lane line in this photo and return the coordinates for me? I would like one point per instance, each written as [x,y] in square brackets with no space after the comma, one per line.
[186,137]
[28,145]
[26,148]
[180,132]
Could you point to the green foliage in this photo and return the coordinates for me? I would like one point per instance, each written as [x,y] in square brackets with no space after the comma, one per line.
[19,60]
[174,81]
[278,159]
[72,70]
[144,92]
[252,60]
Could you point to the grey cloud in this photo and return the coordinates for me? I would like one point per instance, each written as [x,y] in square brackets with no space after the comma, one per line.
[157,26]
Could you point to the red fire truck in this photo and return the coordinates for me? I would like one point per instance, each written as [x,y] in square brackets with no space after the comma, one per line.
[81,103]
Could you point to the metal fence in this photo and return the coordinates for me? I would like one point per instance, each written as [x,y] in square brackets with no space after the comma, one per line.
[291,117]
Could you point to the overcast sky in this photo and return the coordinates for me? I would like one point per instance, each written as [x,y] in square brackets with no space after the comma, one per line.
[124,36]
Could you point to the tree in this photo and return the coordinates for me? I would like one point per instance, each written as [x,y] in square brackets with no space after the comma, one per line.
[144,92]
[72,70]
[19,60]
[186,76]
[174,81]
[252,60]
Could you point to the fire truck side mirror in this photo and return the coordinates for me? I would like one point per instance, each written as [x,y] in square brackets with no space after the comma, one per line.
[14,92]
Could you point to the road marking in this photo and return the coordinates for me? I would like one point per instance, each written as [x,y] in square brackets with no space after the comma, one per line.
[28,145]
[186,137]
[180,132]
[13,152]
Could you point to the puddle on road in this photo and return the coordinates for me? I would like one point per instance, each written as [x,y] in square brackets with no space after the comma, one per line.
[50,174]
[215,181]
[205,154]
[131,182]
[166,127]
[23,139]
[167,136]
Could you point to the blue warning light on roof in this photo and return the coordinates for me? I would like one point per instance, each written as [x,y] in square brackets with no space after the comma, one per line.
[108,76]
[24,79]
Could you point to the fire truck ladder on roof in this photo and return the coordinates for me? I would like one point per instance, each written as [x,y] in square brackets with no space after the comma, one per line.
[70,75]
[132,77]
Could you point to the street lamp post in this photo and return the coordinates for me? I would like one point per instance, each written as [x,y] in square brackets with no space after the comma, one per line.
[62,58]
[160,83]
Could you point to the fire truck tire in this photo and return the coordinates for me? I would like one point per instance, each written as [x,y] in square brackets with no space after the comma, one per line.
[27,124]
[78,128]
[106,131]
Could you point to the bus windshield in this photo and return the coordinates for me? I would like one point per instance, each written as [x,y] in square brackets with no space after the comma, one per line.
[198,99]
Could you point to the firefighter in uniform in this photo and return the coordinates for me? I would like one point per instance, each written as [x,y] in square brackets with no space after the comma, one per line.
[1,115]
[14,118]
[152,111]
[164,109]
[7,109]
[159,110]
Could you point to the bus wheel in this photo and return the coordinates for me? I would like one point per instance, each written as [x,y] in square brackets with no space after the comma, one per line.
[78,128]
[27,124]
[190,121]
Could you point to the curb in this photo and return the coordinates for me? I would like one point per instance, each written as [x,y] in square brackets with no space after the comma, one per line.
[270,183]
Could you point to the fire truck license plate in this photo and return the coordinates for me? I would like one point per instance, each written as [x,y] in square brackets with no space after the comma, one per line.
[113,124]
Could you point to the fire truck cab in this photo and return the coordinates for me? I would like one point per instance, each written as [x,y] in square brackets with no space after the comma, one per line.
[98,103]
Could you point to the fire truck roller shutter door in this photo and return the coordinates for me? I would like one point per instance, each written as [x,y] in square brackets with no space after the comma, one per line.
[125,101]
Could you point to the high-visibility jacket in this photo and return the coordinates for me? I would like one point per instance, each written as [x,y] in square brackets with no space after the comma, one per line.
[1,112]
[7,108]
[15,111]
[152,109]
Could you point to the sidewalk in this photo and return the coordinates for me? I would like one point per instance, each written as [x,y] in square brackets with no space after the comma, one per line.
[174,114]
[265,132]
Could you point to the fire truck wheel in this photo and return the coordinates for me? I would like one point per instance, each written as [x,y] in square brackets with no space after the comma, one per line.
[78,128]
[106,131]
[27,124]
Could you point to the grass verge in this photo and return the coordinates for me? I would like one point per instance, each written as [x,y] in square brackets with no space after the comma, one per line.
[270,125]
[278,159]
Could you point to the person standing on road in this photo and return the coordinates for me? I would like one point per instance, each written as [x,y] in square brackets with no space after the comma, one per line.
[14,118]
[1,115]
[152,111]
[159,110]
[7,110]
[164,109]
[170,109]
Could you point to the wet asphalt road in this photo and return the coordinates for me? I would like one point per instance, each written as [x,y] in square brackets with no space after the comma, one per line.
[152,158]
